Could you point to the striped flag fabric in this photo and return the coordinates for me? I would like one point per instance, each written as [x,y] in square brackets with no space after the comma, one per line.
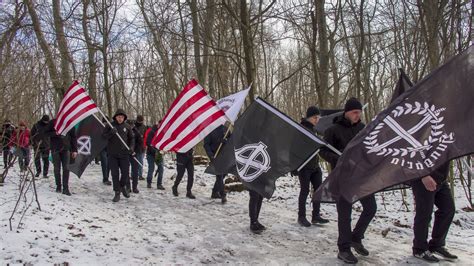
[191,117]
[75,106]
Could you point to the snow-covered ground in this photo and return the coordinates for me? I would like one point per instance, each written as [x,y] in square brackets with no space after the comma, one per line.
[154,227]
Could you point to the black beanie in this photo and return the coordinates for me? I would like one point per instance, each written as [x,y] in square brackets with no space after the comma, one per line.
[312,111]
[140,118]
[352,104]
[45,118]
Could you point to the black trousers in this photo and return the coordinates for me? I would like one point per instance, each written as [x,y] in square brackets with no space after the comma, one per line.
[255,204]
[219,186]
[444,215]
[135,166]
[306,177]
[344,212]
[42,155]
[60,162]
[119,166]
[185,163]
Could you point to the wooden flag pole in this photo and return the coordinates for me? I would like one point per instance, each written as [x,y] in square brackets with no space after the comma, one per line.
[117,134]
[220,145]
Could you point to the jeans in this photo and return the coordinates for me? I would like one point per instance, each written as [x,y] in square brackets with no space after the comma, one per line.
[139,157]
[24,158]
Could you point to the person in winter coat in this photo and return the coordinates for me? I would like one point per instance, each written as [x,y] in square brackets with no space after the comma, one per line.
[211,144]
[138,131]
[153,156]
[344,128]
[63,149]
[184,162]
[21,141]
[6,135]
[40,143]
[429,191]
[310,173]
[118,154]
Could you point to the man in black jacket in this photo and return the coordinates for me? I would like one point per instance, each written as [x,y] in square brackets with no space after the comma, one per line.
[62,149]
[184,162]
[310,173]
[211,144]
[118,154]
[428,191]
[345,128]
[7,134]
[137,170]
[40,144]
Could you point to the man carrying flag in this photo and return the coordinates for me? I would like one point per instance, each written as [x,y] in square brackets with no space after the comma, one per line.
[412,138]
[213,142]
[75,106]
[345,128]
[191,117]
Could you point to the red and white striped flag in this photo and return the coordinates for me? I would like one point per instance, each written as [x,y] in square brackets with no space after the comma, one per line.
[191,117]
[75,106]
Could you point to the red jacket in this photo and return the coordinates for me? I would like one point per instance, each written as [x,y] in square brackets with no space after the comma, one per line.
[21,138]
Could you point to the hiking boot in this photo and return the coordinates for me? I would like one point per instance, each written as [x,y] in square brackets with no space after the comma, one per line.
[256,227]
[347,257]
[135,190]
[303,222]
[443,252]
[125,192]
[107,182]
[215,195]
[359,248]
[116,197]
[319,220]
[66,192]
[148,185]
[160,187]
[190,195]
[426,256]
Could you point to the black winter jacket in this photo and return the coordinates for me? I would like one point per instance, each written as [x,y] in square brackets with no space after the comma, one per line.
[150,149]
[60,142]
[38,133]
[314,163]
[138,132]
[213,140]
[115,146]
[339,135]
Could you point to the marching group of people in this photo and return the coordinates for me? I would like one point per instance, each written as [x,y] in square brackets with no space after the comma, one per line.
[116,159]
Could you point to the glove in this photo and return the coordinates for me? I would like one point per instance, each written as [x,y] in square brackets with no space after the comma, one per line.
[113,131]
[294,173]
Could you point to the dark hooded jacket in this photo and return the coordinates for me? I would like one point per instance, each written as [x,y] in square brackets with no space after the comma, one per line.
[115,146]
[213,140]
[314,163]
[339,135]
[60,142]
[38,135]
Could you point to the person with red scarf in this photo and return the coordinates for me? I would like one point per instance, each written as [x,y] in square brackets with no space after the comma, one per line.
[21,142]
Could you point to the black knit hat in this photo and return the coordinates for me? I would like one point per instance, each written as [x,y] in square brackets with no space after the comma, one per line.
[312,111]
[352,104]
[140,118]
[120,112]
[45,118]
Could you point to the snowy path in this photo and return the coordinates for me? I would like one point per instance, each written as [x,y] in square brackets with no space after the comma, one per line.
[153,227]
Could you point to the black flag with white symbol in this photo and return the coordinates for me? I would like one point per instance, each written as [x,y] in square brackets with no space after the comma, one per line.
[90,143]
[265,145]
[425,127]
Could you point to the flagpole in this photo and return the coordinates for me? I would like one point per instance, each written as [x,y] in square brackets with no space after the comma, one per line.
[117,134]
[220,145]
[309,159]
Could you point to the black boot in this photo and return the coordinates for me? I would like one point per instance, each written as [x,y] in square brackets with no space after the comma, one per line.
[347,257]
[319,220]
[359,248]
[256,227]
[66,192]
[58,189]
[303,221]
[190,195]
[107,182]
[148,185]
[116,197]
[223,199]
[160,187]
[215,195]
[443,252]
[125,192]
[135,189]
[175,190]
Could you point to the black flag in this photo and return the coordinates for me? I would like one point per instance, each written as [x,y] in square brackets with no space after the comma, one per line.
[90,143]
[404,83]
[265,145]
[425,127]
